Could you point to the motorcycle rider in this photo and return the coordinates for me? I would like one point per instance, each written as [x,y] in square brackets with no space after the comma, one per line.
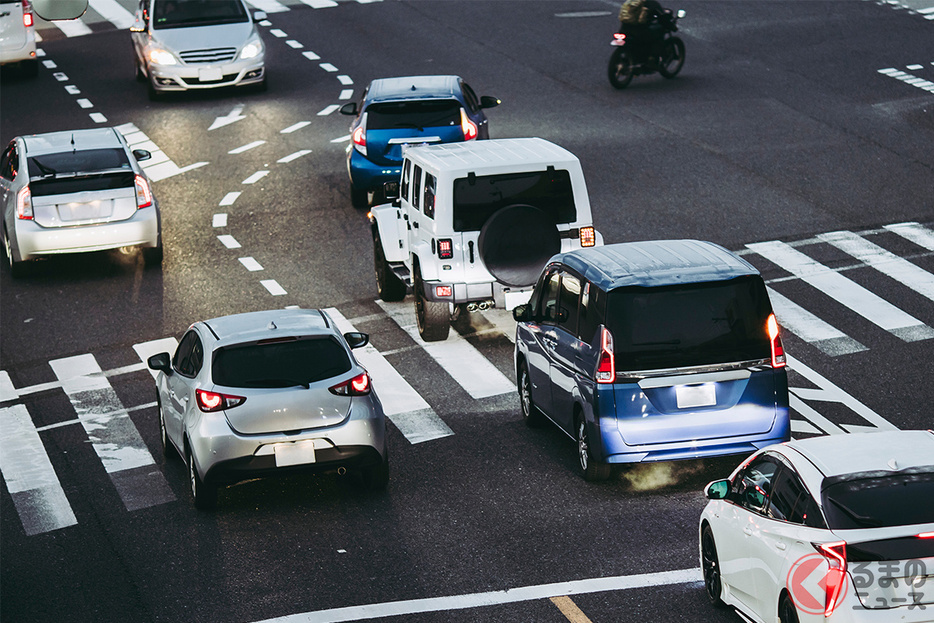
[638,20]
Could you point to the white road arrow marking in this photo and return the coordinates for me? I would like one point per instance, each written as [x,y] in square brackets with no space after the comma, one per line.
[232,117]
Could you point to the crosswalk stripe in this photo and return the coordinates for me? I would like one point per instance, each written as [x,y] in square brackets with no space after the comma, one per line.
[916,233]
[269,6]
[886,262]
[857,298]
[319,4]
[145,350]
[404,407]
[30,478]
[113,435]
[471,370]
[113,12]
[73,27]
[812,329]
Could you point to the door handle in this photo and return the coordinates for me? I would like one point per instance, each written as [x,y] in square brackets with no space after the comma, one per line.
[747,531]
[780,545]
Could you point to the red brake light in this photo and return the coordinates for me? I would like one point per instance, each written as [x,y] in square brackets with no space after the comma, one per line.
[27,14]
[213,401]
[588,236]
[443,291]
[24,204]
[926,535]
[778,351]
[358,138]
[445,248]
[143,193]
[835,578]
[606,368]
[357,386]
[468,126]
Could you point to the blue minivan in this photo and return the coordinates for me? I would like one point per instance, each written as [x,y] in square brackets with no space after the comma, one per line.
[652,351]
[411,110]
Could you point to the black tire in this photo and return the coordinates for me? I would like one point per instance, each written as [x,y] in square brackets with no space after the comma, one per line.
[517,260]
[140,76]
[152,256]
[787,613]
[17,269]
[359,198]
[530,413]
[389,287]
[154,95]
[710,567]
[672,57]
[30,68]
[591,469]
[204,495]
[376,477]
[620,69]
[434,318]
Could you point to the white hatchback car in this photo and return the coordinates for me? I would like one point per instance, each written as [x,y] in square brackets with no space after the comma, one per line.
[18,36]
[73,192]
[836,528]
[197,44]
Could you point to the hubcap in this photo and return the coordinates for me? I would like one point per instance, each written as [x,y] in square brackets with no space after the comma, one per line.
[711,573]
[525,397]
[582,446]
[192,475]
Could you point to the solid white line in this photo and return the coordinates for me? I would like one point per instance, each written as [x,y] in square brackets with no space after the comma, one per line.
[255,177]
[113,12]
[229,241]
[219,220]
[30,478]
[251,264]
[311,56]
[470,369]
[328,110]
[145,350]
[915,232]
[273,286]
[295,156]
[898,268]
[812,329]
[229,198]
[812,415]
[493,598]
[851,294]
[404,407]
[328,67]
[247,147]
[803,426]
[294,127]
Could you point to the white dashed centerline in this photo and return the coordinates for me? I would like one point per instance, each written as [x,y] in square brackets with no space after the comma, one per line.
[294,156]
[273,286]
[229,198]
[251,264]
[256,177]
[229,241]
[247,147]
[219,220]
[295,127]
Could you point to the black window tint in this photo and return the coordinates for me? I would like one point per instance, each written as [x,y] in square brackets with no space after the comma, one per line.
[549,303]
[570,297]
[429,195]
[593,300]
[281,363]
[416,115]
[182,13]
[8,163]
[879,499]
[473,104]
[79,171]
[790,501]
[752,485]
[406,174]
[690,324]
[477,198]
[184,360]
[416,187]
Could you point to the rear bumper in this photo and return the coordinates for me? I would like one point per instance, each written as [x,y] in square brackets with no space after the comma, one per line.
[495,292]
[368,176]
[25,52]
[31,240]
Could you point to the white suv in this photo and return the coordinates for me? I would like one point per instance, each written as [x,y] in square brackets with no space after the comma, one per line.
[18,36]
[475,223]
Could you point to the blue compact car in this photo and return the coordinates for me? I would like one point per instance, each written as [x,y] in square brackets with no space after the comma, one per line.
[652,351]
[412,110]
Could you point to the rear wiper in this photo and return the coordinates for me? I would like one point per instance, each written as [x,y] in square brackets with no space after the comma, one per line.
[47,171]
[862,521]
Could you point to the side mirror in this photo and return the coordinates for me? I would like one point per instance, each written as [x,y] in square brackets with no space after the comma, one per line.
[717,490]
[522,313]
[488,101]
[139,24]
[356,339]
[59,9]
[141,154]
[349,109]
[259,16]
[162,362]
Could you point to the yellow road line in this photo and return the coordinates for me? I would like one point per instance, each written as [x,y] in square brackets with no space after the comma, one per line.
[569,609]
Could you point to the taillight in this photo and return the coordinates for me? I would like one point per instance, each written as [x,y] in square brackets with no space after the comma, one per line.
[143,193]
[778,351]
[588,236]
[358,138]
[357,386]
[444,291]
[27,14]
[214,401]
[926,535]
[835,578]
[468,126]
[24,204]
[606,368]
[445,248]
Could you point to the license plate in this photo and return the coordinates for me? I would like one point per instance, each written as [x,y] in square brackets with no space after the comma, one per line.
[84,211]
[210,74]
[696,395]
[298,453]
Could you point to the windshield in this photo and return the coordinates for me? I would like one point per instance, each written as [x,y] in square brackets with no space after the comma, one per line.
[879,500]
[690,324]
[180,13]
[416,115]
[477,198]
[281,363]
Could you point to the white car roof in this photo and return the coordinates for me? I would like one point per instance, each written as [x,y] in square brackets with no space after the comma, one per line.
[57,142]
[836,455]
[505,155]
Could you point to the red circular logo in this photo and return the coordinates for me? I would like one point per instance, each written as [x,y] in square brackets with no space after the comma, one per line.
[812,582]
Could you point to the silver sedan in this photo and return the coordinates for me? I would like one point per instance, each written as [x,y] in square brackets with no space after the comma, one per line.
[265,393]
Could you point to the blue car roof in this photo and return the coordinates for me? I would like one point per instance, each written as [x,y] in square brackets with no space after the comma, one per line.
[413,87]
[655,263]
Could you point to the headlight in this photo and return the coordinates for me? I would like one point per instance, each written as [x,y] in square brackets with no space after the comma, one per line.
[251,50]
[161,57]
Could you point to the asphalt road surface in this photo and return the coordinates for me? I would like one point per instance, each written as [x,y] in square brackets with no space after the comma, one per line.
[798,133]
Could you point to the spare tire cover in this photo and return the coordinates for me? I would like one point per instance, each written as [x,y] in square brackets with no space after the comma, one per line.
[516,243]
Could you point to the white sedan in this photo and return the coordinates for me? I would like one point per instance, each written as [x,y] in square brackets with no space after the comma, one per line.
[835,528]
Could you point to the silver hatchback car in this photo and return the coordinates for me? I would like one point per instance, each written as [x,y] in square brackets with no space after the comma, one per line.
[265,393]
[76,191]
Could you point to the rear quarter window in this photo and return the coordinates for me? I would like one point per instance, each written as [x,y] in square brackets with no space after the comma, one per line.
[879,500]
[280,363]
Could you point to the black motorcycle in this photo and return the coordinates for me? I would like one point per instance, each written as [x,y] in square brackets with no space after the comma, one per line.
[663,53]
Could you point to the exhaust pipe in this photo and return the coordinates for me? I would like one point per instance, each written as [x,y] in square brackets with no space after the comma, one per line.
[471,307]
[341,470]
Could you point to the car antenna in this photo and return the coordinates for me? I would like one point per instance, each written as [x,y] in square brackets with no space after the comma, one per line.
[72,142]
[272,326]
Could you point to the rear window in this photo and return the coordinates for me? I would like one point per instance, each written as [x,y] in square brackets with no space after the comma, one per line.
[689,325]
[413,115]
[879,500]
[477,198]
[79,171]
[281,363]
[181,13]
